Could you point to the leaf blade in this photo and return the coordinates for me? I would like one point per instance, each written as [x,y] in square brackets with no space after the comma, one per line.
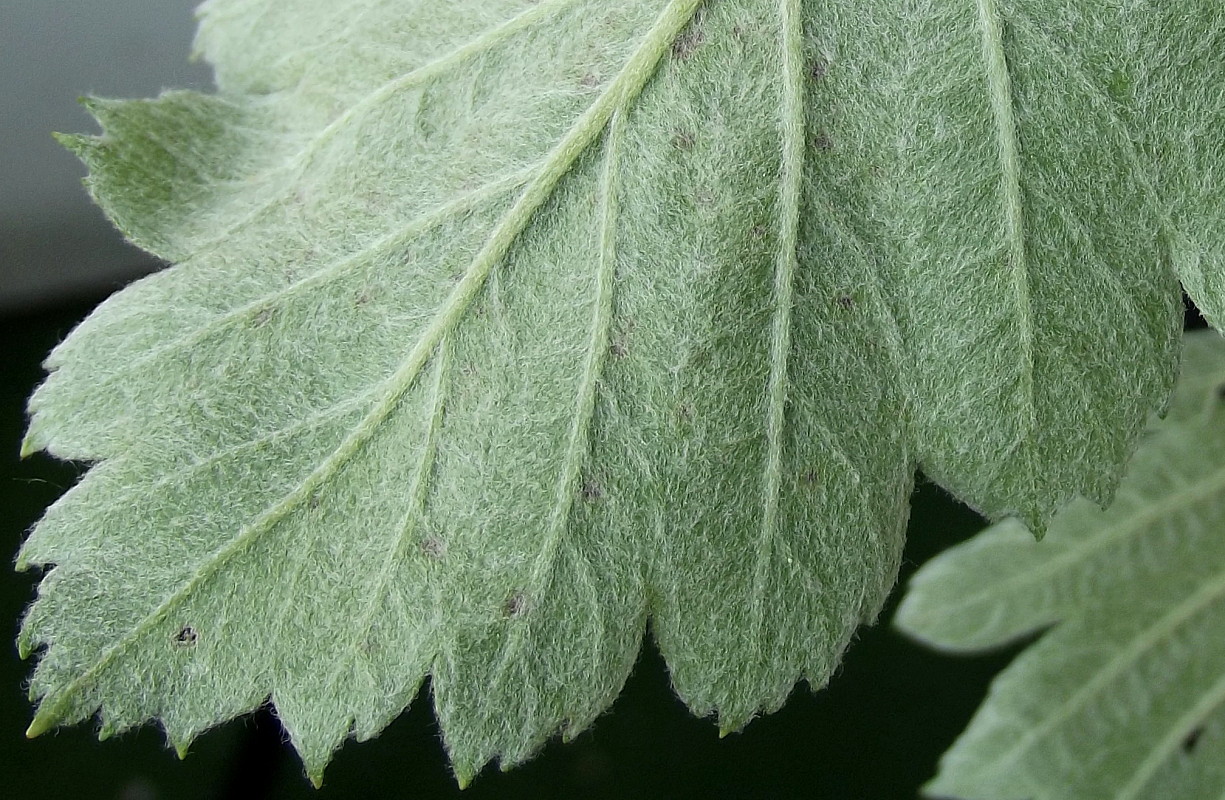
[571,578]
[509,326]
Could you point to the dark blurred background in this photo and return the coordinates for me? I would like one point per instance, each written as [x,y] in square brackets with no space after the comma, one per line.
[876,733]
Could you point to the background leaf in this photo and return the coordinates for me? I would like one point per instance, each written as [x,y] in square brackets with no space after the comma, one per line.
[1125,696]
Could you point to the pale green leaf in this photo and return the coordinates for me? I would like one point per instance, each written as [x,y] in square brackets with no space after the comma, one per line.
[498,328]
[465,374]
[1125,697]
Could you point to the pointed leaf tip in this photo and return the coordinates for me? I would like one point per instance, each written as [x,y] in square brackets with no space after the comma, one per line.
[40,725]
[28,445]
[77,144]
[94,104]
[315,768]
[1037,527]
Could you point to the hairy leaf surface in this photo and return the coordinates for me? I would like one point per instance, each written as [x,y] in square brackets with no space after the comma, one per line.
[1125,697]
[497,328]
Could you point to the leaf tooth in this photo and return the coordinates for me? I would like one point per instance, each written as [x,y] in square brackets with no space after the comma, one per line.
[100,107]
[44,720]
[734,721]
[25,645]
[315,742]
[1036,522]
[32,443]
[109,729]
[464,774]
[316,760]
[80,145]
[180,735]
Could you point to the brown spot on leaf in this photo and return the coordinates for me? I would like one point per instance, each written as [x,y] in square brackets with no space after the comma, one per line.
[433,547]
[591,491]
[683,140]
[186,637]
[262,318]
[515,606]
[823,142]
[589,81]
[617,350]
[685,45]
[818,69]
[846,302]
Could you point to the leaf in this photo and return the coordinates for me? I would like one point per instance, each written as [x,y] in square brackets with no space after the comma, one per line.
[478,424]
[497,329]
[1125,696]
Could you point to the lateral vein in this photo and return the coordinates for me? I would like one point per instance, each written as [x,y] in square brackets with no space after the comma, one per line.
[1209,593]
[418,492]
[1200,491]
[461,204]
[1000,91]
[301,159]
[1102,102]
[1209,702]
[568,479]
[793,130]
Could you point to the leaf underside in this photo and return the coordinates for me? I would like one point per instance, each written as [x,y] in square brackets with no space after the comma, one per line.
[497,328]
[1125,697]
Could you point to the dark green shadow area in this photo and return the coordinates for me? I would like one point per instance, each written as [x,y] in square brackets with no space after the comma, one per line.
[874,734]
